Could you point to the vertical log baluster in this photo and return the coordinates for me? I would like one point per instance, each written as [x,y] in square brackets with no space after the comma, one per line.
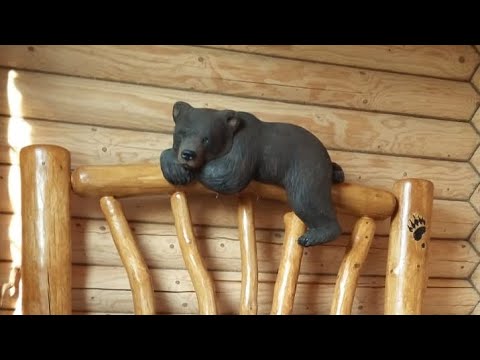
[136,267]
[202,282]
[289,269]
[248,250]
[352,263]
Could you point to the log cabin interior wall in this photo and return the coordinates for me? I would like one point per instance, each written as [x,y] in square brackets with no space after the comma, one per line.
[384,112]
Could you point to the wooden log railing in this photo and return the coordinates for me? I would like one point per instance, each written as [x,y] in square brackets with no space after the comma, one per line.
[135,180]
[406,257]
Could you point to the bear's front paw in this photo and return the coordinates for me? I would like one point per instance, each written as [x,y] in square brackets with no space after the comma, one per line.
[174,172]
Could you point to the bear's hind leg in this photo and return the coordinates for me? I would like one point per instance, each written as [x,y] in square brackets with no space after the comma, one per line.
[328,230]
[312,202]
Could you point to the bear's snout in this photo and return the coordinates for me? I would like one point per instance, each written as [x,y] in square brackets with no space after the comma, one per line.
[188,155]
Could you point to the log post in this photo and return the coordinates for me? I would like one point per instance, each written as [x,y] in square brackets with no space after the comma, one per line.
[289,269]
[46,246]
[248,250]
[132,259]
[408,247]
[352,263]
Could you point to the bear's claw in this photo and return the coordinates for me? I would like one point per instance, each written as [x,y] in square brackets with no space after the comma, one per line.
[317,236]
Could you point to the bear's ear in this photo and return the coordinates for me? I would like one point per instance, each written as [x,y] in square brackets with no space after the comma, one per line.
[233,122]
[178,107]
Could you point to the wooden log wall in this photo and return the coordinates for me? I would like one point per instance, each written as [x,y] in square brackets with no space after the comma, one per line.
[384,112]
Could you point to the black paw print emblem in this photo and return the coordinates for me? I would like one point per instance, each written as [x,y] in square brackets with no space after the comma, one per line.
[417,226]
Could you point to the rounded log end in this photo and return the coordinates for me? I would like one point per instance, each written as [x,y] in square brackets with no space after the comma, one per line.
[178,195]
[416,182]
[288,217]
[360,200]
[107,202]
[42,148]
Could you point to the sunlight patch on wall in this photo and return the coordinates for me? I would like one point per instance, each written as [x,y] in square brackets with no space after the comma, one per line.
[19,136]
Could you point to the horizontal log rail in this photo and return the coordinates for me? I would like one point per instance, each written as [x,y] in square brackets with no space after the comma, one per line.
[146,179]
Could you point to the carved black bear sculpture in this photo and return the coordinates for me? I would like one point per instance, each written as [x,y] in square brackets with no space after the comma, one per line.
[225,150]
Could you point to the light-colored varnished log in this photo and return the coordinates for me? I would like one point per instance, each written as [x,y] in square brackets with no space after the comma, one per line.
[445,61]
[146,179]
[94,103]
[450,219]
[310,300]
[46,248]
[352,263]
[220,71]
[289,269]
[136,267]
[92,146]
[248,251]
[201,279]
[102,289]
[408,247]
[92,244]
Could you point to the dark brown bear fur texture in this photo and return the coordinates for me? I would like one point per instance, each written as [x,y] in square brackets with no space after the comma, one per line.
[226,149]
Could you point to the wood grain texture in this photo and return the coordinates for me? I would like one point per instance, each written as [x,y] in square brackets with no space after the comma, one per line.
[349,272]
[475,159]
[475,238]
[475,278]
[451,219]
[476,311]
[92,244]
[132,259]
[106,146]
[408,248]
[178,280]
[445,61]
[248,254]
[475,199]
[175,285]
[145,179]
[476,120]
[46,247]
[137,107]
[310,299]
[289,266]
[402,167]
[478,48]
[203,283]
[476,79]
[217,71]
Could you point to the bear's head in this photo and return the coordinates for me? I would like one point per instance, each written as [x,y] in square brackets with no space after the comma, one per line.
[202,134]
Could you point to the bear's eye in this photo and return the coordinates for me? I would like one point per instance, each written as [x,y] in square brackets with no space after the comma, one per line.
[205,141]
